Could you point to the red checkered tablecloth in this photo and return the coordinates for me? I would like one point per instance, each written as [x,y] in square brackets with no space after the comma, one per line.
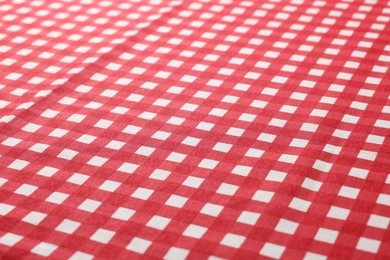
[206,129]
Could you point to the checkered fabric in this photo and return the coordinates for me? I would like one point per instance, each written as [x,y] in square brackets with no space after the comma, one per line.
[203,129]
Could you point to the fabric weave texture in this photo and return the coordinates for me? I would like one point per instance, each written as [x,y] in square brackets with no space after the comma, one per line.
[205,129]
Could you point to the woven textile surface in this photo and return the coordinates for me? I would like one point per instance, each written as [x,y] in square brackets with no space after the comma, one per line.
[205,129]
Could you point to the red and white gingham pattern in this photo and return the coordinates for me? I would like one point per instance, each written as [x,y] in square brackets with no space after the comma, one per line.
[199,129]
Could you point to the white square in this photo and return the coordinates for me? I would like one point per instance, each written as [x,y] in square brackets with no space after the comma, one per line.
[138,245]
[97,161]
[44,249]
[288,158]
[175,120]
[286,226]
[102,235]
[142,193]
[205,126]
[193,182]
[47,171]
[67,154]
[343,134]
[176,157]
[120,110]
[2,181]
[10,239]
[217,112]
[298,96]
[277,122]
[26,189]
[176,253]
[252,75]
[110,186]
[258,104]
[188,78]
[242,170]
[227,189]
[123,214]
[358,105]
[83,88]
[202,94]
[11,142]
[326,235]
[308,127]
[358,173]
[255,153]
[176,201]
[378,221]
[367,155]
[349,192]
[247,117]
[375,139]
[311,184]
[38,147]
[288,109]
[148,85]
[76,118]
[263,196]
[87,139]
[211,209]
[67,101]
[269,91]
[81,256]
[18,164]
[276,176]
[104,124]
[57,197]
[115,145]
[5,209]
[93,105]
[300,204]
[78,178]
[34,217]
[98,77]
[158,222]
[189,107]
[319,112]
[200,67]
[58,132]
[131,129]
[147,115]
[68,226]
[313,256]
[350,119]
[160,174]
[233,240]
[194,231]
[161,135]
[30,127]
[108,93]
[322,166]
[248,217]
[89,205]
[272,250]
[332,149]
[383,199]
[338,213]
[208,164]
[135,97]
[145,151]
[128,168]
[222,147]
[269,138]
[368,245]
[234,131]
